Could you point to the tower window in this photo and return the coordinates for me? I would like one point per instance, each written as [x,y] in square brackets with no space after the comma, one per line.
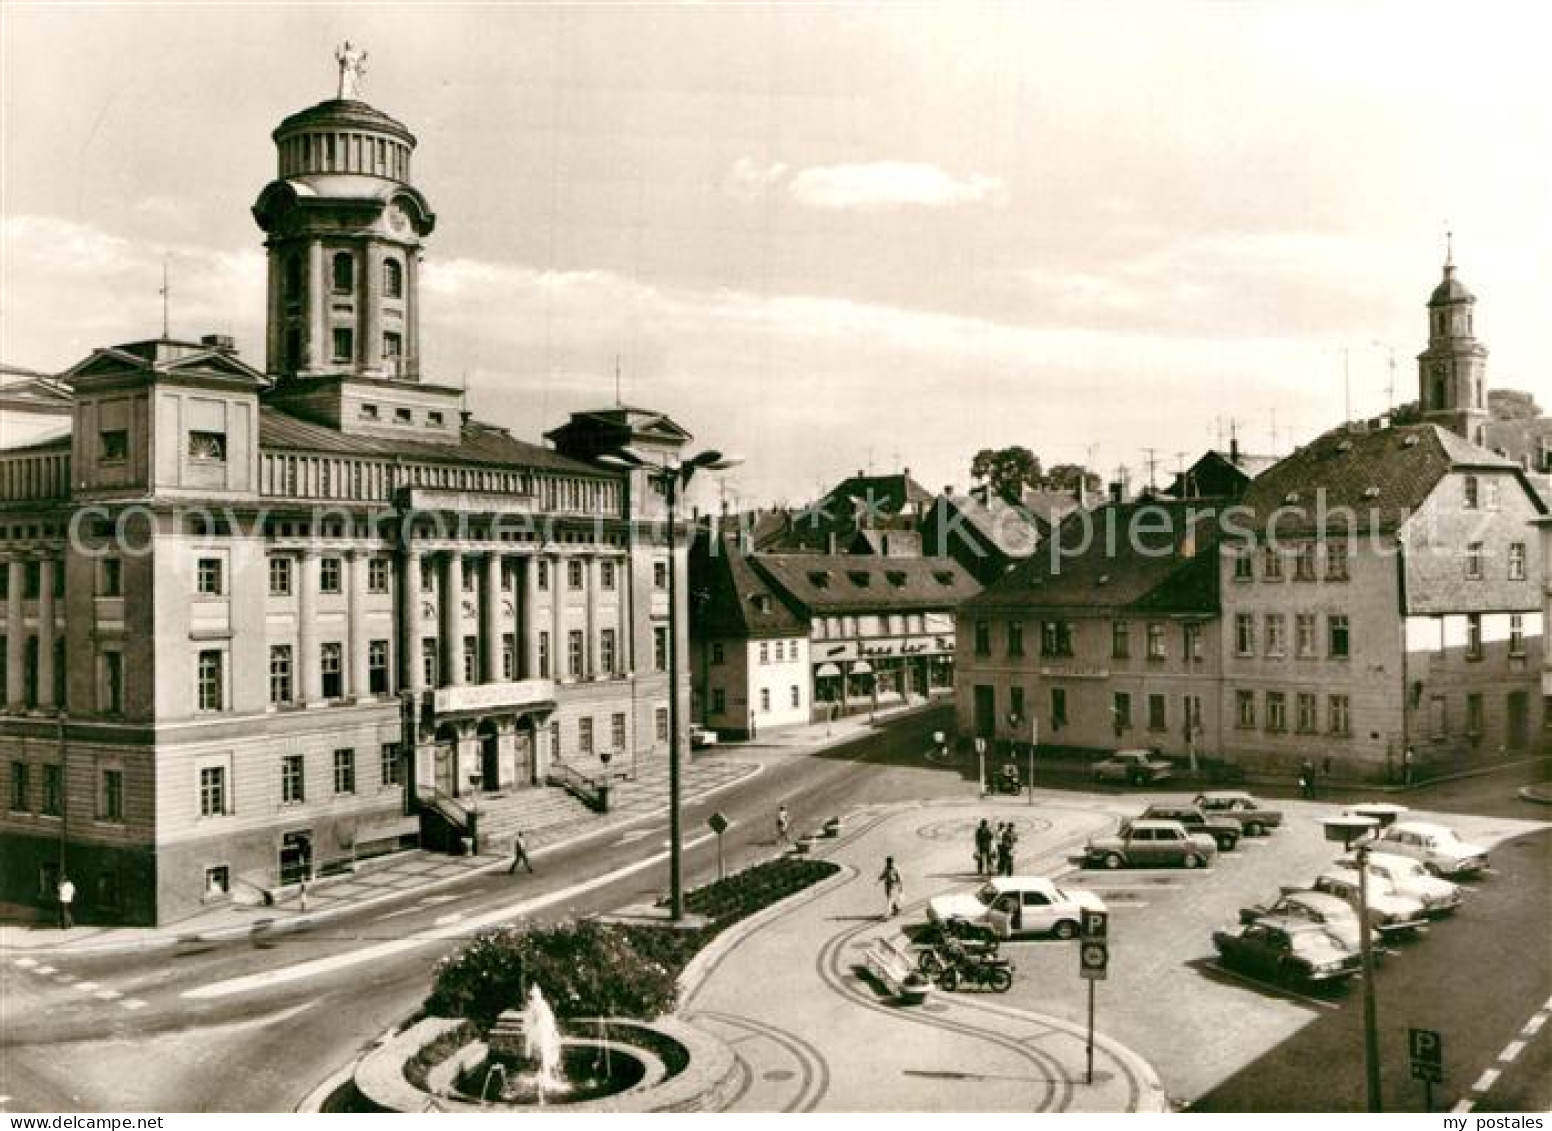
[293,277]
[344,273]
[393,279]
[344,344]
[393,346]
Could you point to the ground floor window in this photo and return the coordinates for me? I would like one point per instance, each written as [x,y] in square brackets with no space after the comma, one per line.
[661,720]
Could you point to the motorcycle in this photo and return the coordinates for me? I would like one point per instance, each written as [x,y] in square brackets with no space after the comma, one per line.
[948,949]
[1007,781]
[969,969]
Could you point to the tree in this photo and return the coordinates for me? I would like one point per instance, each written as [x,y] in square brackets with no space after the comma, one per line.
[1006,471]
[1067,476]
[1512,404]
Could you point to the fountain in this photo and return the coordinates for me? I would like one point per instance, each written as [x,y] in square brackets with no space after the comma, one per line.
[541,1043]
[527,1061]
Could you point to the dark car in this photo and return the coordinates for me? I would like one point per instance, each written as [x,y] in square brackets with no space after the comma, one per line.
[1287,951]
[1254,816]
[1225,831]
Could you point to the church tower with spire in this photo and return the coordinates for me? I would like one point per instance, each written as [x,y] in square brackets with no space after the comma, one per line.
[1452,371]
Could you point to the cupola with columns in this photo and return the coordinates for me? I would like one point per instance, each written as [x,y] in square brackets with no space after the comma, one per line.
[1452,371]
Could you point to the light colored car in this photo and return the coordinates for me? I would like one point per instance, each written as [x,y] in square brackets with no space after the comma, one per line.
[1436,847]
[1331,911]
[700,736]
[1142,844]
[1135,766]
[1388,912]
[1254,816]
[1009,906]
[1405,876]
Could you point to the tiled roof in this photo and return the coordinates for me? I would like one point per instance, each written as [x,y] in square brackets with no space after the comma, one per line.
[732,598]
[1159,555]
[1381,476]
[844,583]
[1049,506]
[482,444]
[1013,530]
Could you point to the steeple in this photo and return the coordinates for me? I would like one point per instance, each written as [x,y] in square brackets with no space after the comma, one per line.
[1452,371]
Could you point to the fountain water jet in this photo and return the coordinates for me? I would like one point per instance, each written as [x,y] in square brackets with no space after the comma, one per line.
[541,1043]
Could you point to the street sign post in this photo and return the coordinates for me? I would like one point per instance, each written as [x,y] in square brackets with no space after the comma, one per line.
[1093,961]
[719,825]
[1034,740]
[1427,1050]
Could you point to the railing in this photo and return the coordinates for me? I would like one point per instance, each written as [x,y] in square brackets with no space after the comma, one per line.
[592,792]
[445,821]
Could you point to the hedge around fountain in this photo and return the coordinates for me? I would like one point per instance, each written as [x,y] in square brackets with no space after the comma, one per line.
[589,968]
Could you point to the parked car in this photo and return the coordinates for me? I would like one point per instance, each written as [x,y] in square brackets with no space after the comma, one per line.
[1010,906]
[1389,913]
[700,736]
[1138,767]
[1225,831]
[1331,911]
[1401,875]
[1143,843]
[1436,847]
[1287,951]
[1254,816]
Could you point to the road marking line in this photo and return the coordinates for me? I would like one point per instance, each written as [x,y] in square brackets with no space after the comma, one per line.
[86,987]
[1462,1108]
[319,966]
[44,970]
[107,995]
[1485,1081]
[64,979]
[26,963]
[1513,1050]
[444,920]
[1533,1026]
[132,1003]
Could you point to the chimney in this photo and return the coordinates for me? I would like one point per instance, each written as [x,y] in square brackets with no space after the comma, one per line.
[948,490]
[830,542]
[1234,450]
[224,342]
[1115,490]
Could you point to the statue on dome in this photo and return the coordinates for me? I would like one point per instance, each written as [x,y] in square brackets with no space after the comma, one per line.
[352,69]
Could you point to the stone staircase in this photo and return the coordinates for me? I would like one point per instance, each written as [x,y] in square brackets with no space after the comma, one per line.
[544,813]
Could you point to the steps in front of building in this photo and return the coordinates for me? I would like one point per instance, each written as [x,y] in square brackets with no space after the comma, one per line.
[544,814]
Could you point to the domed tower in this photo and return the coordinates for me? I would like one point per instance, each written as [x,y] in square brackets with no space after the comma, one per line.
[345,229]
[1452,371]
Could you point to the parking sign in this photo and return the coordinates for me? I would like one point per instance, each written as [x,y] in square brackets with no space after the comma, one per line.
[1096,924]
[1427,1049]
[1093,959]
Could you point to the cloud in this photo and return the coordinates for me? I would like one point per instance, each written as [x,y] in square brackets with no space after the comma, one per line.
[892,184]
[750,179]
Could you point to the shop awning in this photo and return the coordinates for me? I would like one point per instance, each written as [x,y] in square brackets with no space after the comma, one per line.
[826,671]
[861,667]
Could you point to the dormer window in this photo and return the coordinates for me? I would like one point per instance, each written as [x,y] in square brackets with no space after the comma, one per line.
[208,446]
[943,577]
[896,578]
[393,279]
[762,602]
[859,579]
[344,273]
[114,446]
[819,579]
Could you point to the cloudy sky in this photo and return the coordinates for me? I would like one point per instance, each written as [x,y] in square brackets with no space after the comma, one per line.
[830,237]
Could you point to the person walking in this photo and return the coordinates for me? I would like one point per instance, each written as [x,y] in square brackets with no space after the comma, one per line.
[66,895]
[519,854]
[1006,848]
[1307,779]
[1406,766]
[894,888]
[984,839]
[783,826]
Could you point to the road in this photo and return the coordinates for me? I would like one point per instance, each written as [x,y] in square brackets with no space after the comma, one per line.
[221,1029]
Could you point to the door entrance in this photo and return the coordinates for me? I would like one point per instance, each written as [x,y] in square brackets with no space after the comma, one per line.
[523,751]
[1519,720]
[447,769]
[985,710]
[296,857]
[490,761]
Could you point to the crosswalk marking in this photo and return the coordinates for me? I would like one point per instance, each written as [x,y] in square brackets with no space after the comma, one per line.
[45,970]
[132,1003]
[108,995]
[26,963]
[86,987]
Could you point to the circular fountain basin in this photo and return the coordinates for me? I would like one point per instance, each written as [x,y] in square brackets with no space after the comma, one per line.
[590,1070]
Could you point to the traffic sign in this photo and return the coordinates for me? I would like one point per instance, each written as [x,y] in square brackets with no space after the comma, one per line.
[1427,1049]
[718,823]
[1096,924]
[1093,958]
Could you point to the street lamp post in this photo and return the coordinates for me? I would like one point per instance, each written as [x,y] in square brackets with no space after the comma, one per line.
[1346,830]
[673,478]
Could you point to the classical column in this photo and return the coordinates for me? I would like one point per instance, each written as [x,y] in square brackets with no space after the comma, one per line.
[590,615]
[46,633]
[318,351]
[560,651]
[372,308]
[355,625]
[411,362]
[529,641]
[309,670]
[15,637]
[623,634]
[450,607]
[411,655]
[490,619]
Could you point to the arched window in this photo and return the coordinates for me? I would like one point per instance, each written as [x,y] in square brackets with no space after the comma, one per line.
[344,273]
[393,279]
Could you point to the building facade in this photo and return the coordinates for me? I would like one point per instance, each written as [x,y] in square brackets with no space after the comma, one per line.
[260,624]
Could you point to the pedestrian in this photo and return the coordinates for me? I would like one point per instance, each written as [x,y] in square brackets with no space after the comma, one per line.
[984,838]
[66,894]
[1406,766]
[1005,849]
[894,887]
[783,826]
[1307,779]
[519,854]
[301,897]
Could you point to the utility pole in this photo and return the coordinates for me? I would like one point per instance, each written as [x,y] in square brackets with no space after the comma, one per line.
[1347,388]
[1153,463]
[165,291]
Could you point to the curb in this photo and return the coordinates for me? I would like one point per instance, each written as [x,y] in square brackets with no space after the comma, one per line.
[304,920]
[1540,795]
